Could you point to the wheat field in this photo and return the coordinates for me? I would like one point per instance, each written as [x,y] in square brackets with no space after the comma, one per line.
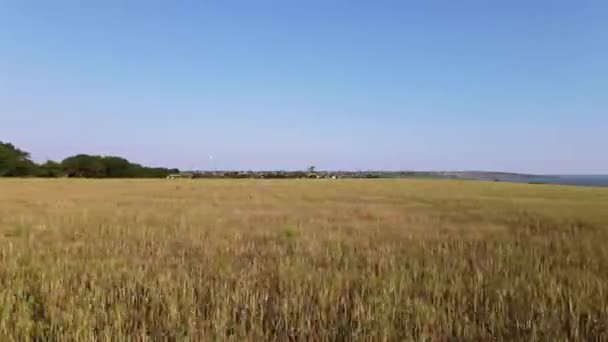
[306,260]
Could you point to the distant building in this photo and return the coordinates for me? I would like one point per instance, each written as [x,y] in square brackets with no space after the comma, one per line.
[186,175]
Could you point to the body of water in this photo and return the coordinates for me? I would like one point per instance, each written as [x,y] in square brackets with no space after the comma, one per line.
[581,180]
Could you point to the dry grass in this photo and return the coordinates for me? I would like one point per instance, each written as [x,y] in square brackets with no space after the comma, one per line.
[301,260]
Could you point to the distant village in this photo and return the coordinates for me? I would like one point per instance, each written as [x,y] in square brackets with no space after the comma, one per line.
[275,174]
[309,174]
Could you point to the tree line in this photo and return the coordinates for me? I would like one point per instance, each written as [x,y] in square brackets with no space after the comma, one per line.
[15,162]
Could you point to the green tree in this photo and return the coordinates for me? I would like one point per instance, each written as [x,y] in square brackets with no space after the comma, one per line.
[50,169]
[15,162]
[117,167]
[84,165]
[151,172]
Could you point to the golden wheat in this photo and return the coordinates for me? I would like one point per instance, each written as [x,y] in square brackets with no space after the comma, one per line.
[323,260]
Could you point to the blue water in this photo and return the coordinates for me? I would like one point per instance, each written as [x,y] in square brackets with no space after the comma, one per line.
[581,180]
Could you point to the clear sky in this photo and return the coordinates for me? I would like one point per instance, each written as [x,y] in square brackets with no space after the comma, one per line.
[417,85]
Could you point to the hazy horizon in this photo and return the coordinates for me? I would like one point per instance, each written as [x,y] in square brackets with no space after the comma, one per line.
[383,85]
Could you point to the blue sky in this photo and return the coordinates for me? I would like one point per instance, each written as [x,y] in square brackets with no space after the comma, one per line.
[417,85]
